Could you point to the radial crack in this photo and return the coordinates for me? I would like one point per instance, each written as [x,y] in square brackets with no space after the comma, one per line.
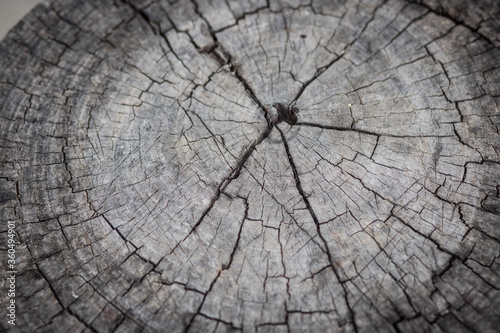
[318,227]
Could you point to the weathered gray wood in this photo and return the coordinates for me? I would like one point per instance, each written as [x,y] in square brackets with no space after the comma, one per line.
[279,166]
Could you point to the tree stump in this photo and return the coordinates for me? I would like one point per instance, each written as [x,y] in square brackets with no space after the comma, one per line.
[255,166]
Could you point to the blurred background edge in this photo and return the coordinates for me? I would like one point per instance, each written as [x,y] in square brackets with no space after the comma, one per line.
[12,11]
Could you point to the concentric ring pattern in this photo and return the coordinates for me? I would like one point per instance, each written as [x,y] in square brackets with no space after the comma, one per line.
[157,185]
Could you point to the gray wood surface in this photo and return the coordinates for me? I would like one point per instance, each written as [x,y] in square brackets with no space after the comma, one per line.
[255,166]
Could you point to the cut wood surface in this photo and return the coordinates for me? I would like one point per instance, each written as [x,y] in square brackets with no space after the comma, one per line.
[255,166]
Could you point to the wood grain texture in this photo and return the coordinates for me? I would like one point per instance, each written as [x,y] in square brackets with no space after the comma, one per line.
[255,166]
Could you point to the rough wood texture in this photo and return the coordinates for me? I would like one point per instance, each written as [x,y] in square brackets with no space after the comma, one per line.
[279,166]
